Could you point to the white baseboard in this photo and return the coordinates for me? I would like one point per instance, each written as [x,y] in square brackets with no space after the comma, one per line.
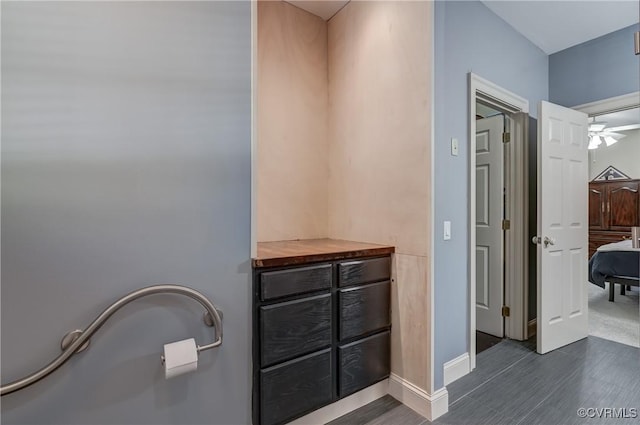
[456,368]
[532,328]
[342,407]
[431,406]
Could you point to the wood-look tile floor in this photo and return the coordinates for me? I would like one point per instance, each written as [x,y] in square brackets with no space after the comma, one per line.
[513,385]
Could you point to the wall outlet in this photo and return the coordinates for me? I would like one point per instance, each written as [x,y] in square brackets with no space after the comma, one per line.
[447,230]
[454,147]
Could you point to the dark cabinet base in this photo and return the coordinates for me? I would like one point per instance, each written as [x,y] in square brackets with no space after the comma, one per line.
[363,363]
[363,309]
[294,328]
[295,387]
[321,332]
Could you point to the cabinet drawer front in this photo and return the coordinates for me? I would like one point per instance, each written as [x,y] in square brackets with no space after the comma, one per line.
[363,363]
[363,309]
[364,271]
[295,387]
[293,328]
[294,281]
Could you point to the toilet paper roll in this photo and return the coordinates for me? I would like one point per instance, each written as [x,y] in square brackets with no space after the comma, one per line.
[180,357]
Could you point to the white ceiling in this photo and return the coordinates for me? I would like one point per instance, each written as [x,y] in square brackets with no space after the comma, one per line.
[550,25]
[322,8]
[557,25]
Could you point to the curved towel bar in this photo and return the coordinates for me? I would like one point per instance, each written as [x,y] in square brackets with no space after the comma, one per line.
[212,318]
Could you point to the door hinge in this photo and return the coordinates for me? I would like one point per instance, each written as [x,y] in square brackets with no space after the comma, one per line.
[506,137]
[506,224]
[506,311]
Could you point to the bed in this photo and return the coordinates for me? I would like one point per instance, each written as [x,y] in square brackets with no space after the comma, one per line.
[615,263]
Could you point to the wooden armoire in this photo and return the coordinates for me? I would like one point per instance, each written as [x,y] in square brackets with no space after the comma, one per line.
[614,207]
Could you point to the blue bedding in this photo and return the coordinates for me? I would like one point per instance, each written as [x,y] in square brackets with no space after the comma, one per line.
[613,263]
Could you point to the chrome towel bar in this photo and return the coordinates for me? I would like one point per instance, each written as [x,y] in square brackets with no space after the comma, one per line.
[77,341]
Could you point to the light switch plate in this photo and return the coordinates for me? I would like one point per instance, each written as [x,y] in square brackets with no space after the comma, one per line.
[447,230]
[454,147]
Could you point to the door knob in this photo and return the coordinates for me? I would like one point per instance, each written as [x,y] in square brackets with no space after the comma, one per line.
[546,241]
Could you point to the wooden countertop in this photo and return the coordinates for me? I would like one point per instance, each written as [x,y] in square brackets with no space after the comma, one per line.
[286,253]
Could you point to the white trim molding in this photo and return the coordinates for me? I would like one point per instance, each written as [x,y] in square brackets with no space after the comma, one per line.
[626,101]
[456,368]
[511,100]
[345,405]
[431,406]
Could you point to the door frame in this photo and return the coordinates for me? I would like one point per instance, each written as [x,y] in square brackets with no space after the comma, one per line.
[612,104]
[515,325]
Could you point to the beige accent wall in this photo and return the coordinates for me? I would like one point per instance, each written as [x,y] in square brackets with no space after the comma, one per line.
[411,320]
[379,74]
[344,145]
[292,102]
[379,156]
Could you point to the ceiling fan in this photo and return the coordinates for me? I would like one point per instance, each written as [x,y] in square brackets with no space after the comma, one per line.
[598,132]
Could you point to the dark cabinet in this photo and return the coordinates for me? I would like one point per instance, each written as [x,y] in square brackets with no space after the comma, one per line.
[296,387]
[363,309]
[597,206]
[363,363]
[321,332]
[293,328]
[294,281]
[623,205]
[614,207]
[362,271]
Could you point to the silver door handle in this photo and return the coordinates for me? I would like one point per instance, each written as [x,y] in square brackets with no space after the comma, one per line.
[546,241]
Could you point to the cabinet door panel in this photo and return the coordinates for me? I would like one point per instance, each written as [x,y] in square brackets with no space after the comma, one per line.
[623,205]
[363,363]
[296,387]
[298,280]
[597,206]
[364,271]
[294,328]
[363,309]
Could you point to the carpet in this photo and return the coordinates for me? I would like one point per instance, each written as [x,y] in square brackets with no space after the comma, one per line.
[617,321]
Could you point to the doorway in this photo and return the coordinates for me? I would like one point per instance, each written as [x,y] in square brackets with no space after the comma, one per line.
[499,193]
[615,123]
[509,287]
[516,323]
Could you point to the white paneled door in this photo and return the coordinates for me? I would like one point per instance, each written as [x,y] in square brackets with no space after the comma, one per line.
[562,227]
[489,234]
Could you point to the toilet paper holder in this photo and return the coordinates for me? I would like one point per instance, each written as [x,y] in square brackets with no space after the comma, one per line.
[78,340]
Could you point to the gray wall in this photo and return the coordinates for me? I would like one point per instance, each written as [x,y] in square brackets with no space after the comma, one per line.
[624,156]
[125,163]
[468,37]
[595,70]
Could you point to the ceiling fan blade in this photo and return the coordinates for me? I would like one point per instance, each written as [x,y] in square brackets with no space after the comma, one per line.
[612,134]
[597,126]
